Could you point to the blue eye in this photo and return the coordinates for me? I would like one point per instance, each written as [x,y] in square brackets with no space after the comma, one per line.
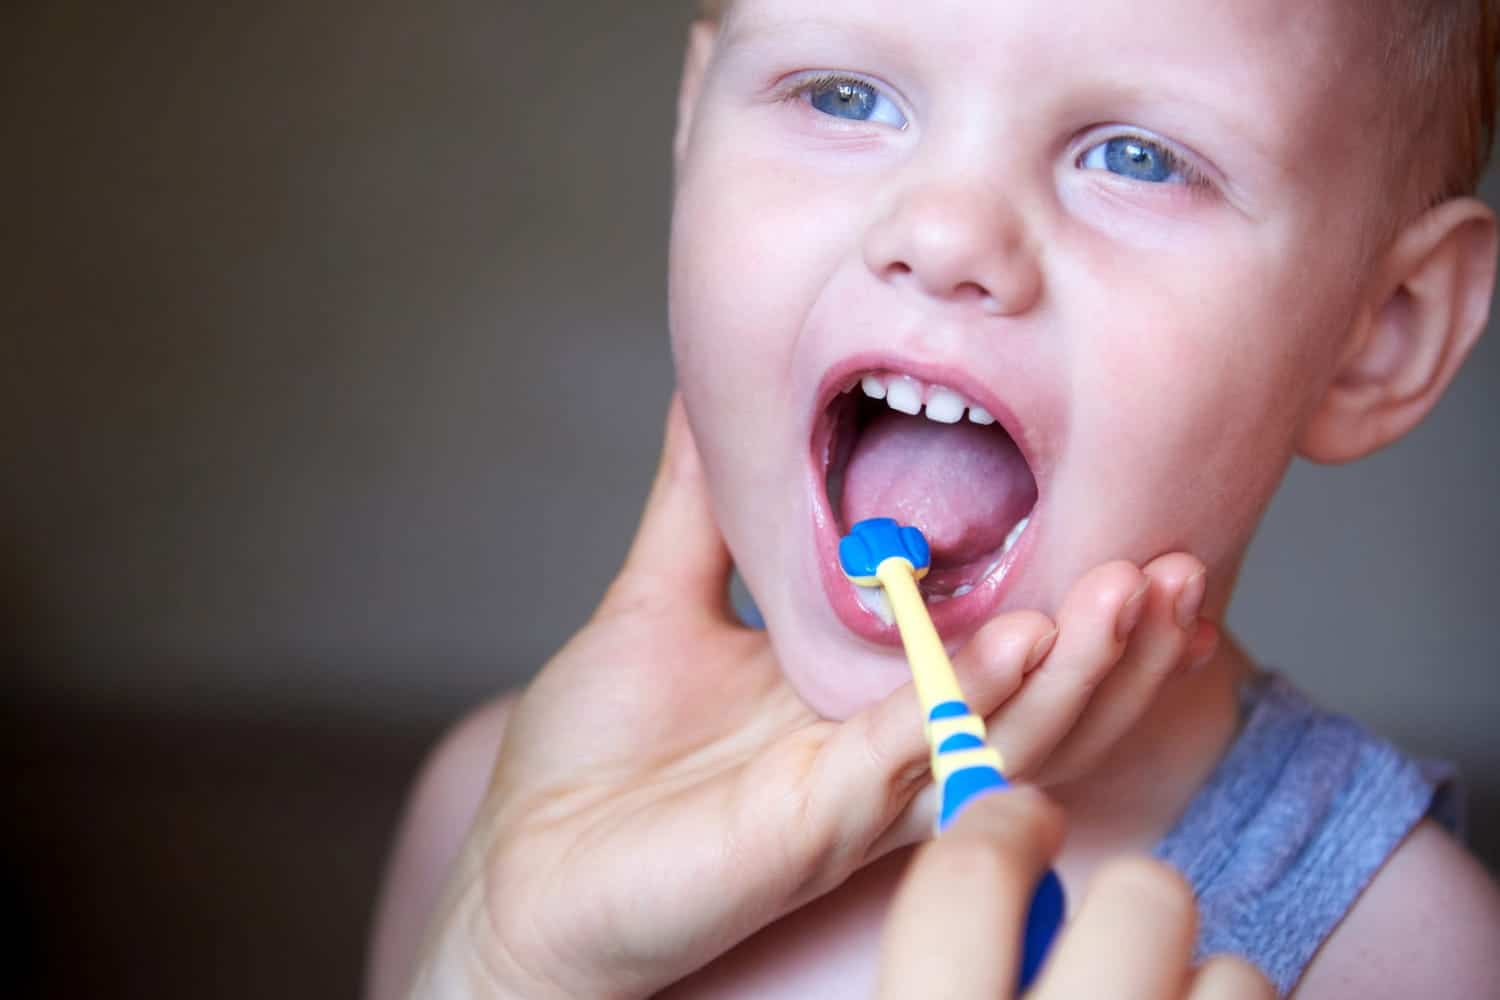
[1139,159]
[853,100]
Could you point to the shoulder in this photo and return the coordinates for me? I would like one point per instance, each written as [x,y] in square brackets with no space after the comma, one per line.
[1426,926]
[462,759]
[439,809]
[453,778]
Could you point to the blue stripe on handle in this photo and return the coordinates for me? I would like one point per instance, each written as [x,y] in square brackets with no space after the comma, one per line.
[1045,914]
[948,710]
[964,785]
[1042,922]
[961,741]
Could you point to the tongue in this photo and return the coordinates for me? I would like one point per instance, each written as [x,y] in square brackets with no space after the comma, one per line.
[963,485]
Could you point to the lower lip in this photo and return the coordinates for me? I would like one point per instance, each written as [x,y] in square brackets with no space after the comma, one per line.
[955,619]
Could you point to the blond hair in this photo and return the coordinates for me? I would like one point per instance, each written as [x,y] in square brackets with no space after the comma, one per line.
[1442,54]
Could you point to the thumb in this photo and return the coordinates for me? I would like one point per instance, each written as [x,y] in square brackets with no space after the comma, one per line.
[678,559]
[955,926]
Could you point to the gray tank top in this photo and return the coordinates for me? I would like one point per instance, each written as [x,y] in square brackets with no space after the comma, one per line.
[1293,824]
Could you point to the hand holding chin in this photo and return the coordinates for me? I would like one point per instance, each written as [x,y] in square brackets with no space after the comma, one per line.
[661,792]
[1121,633]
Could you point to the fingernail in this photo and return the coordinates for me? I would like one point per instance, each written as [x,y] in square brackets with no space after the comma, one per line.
[1040,650]
[1130,614]
[1190,601]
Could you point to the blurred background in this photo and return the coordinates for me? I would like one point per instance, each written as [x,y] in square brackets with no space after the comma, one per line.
[332,364]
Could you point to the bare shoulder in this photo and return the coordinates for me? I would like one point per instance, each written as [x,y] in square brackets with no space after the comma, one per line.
[1426,926]
[439,809]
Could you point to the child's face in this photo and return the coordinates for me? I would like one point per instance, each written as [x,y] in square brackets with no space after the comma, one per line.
[1131,232]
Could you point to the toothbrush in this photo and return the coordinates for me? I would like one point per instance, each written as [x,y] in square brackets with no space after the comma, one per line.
[880,553]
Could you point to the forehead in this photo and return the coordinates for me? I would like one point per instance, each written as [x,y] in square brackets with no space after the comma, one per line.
[1299,23]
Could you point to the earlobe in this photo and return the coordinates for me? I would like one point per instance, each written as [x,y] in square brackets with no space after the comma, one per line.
[702,37]
[1429,308]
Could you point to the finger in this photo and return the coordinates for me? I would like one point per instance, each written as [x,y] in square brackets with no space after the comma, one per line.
[956,924]
[987,665]
[1229,977]
[885,748]
[1157,650]
[1093,624]
[1132,937]
[678,558]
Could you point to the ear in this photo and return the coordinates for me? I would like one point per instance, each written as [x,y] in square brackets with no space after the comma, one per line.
[702,37]
[1428,307]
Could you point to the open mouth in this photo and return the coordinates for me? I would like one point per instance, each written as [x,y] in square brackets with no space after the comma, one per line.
[889,444]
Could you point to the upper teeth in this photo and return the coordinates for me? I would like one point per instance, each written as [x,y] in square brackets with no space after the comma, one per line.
[907,395]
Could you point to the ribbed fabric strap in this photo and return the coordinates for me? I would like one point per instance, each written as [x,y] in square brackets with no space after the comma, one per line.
[1293,824]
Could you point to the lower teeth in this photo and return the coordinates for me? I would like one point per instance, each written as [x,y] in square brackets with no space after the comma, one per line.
[875,599]
[1015,534]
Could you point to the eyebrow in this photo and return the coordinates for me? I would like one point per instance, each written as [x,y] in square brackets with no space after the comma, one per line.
[736,31]
[809,32]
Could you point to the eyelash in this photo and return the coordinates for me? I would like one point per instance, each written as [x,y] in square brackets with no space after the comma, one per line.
[1193,177]
[799,90]
[803,86]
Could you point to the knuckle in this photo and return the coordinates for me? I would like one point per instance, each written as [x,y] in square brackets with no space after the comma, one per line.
[900,763]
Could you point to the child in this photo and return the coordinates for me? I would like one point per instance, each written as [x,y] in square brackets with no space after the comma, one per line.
[1067,285]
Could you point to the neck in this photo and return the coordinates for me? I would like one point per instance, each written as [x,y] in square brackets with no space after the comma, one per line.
[1131,800]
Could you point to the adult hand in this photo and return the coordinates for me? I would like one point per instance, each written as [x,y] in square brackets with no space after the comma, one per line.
[954,930]
[661,793]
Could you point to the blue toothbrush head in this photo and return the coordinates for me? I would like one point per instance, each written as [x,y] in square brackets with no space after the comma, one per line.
[870,543]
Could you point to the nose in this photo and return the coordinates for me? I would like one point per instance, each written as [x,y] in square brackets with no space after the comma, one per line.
[959,244]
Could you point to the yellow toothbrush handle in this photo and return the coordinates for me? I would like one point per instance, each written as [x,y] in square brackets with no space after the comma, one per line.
[964,765]
[931,670]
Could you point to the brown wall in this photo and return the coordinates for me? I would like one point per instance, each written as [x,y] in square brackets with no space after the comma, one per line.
[332,364]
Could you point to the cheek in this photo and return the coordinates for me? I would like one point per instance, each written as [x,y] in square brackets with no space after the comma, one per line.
[1194,400]
[739,271]
[723,315]
[753,245]
[744,271]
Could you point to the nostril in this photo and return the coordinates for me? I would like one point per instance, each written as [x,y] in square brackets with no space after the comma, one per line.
[973,291]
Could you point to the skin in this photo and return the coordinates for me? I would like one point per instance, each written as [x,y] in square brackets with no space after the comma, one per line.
[1162,351]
